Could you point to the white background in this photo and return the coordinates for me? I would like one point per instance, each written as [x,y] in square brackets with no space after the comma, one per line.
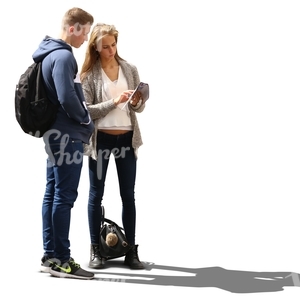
[218,174]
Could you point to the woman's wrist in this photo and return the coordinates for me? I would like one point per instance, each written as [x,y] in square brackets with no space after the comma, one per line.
[115,102]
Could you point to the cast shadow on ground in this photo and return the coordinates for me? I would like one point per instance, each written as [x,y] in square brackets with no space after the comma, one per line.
[233,281]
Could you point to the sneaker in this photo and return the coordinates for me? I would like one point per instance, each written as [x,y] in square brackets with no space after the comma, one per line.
[69,269]
[46,264]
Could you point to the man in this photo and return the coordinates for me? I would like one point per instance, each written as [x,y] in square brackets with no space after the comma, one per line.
[64,141]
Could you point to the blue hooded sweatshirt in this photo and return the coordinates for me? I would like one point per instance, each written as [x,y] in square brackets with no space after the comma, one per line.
[62,83]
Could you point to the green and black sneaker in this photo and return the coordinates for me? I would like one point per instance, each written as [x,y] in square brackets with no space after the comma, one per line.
[69,269]
[46,264]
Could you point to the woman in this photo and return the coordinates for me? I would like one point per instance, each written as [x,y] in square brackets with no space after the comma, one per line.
[108,82]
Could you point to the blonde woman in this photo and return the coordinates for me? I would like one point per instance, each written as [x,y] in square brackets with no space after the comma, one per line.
[108,82]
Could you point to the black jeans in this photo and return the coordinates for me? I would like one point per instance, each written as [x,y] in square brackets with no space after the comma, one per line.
[121,148]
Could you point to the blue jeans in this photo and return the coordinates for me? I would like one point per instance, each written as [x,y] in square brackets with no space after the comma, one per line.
[64,164]
[121,147]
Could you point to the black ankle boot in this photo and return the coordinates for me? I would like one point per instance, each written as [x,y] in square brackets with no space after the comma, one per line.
[132,259]
[96,262]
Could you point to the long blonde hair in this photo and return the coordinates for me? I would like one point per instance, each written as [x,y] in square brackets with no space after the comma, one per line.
[92,55]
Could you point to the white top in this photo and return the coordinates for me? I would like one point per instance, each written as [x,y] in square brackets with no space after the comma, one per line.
[117,118]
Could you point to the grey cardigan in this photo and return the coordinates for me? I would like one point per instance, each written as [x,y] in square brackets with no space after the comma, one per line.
[98,109]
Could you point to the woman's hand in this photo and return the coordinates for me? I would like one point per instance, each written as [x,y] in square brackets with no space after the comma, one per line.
[135,98]
[123,97]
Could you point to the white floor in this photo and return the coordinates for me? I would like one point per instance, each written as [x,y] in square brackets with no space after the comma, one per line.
[197,242]
[217,189]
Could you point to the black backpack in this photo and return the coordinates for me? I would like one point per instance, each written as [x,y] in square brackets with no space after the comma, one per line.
[35,113]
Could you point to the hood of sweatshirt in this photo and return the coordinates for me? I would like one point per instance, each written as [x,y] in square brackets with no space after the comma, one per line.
[48,45]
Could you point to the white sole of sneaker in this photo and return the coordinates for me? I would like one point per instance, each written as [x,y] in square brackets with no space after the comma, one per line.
[45,269]
[65,275]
